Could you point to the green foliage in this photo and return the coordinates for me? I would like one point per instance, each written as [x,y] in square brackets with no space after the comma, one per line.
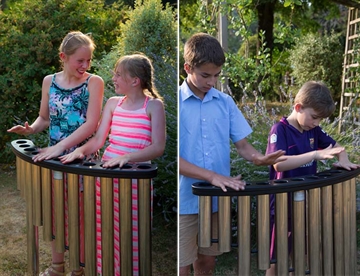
[248,48]
[30,34]
[318,57]
[151,29]
[249,73]
[188,23]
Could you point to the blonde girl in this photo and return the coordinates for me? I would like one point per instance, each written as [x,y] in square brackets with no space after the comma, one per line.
[137,134]
[70,107]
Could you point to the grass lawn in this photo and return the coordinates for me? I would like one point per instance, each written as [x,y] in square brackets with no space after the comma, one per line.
[13,260]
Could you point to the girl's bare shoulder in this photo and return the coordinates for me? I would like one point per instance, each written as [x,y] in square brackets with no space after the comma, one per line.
[113,100]
[47,80]
[155,103]
[96,78]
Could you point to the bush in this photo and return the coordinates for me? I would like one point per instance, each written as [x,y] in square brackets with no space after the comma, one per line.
[319,57]
[151,29]
[30,34]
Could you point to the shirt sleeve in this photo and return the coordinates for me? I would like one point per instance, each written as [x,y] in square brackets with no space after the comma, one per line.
[277,138]
[324,139]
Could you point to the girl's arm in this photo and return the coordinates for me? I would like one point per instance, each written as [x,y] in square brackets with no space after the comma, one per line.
[156,112]
[96,92]
[98,140]
[43,121]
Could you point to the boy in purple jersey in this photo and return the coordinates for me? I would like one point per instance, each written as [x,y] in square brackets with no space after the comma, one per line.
[304,142]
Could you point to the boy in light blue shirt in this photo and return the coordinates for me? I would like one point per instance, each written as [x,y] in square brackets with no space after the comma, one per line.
[208,120]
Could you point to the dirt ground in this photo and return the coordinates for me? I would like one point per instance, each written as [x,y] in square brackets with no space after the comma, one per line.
[13,256]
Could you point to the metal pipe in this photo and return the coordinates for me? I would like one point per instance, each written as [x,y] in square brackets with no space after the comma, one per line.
[126,237]
[32,238]
[314,231]
[59,211]
[205,221]
[281,229]
[299,232]
[144,209]
[353,245]
[347,227]
[90,225]
[244,235]
[22,168]
[36,191]
[338,230]
[107,225]
[46,203]
[263,228]
[224,223]
[327,230]
[74,225]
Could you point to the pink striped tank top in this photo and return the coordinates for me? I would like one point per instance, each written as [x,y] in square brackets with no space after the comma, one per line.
[130,131]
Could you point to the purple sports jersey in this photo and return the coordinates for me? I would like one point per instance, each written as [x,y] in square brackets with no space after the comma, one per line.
[284,136]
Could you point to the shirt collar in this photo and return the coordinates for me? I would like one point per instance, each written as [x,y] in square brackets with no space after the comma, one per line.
[187,93]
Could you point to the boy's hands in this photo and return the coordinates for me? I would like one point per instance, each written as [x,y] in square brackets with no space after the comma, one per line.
[331,152]
[226,181]
[269,159]
[347,165]
[328,153]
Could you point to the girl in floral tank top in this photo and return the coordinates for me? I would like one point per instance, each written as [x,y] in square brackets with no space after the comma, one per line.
[67,108]
[71,103]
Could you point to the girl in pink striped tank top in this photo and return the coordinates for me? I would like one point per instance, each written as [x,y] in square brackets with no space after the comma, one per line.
[137,134]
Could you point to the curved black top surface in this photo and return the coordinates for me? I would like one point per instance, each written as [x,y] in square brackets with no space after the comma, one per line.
[321,179]
[26,150]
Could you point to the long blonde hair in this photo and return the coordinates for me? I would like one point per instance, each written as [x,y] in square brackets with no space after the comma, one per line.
[140,66]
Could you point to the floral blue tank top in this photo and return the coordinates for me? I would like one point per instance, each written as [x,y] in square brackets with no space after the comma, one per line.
[67,108]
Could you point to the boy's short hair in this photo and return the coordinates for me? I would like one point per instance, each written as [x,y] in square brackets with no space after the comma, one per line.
[316,95]
[202,48]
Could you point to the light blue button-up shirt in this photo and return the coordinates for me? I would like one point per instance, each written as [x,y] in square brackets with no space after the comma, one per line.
[206,128]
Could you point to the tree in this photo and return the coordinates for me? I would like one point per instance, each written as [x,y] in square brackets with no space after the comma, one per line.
[318,57]
[265,11]
[30,34]
[299,8]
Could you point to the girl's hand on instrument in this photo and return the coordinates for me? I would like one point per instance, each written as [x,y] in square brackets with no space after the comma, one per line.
[67,158]
[22,130]
[48,153]
[120,160]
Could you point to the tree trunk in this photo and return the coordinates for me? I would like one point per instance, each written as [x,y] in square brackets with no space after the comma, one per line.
[2,4]
[265,12]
